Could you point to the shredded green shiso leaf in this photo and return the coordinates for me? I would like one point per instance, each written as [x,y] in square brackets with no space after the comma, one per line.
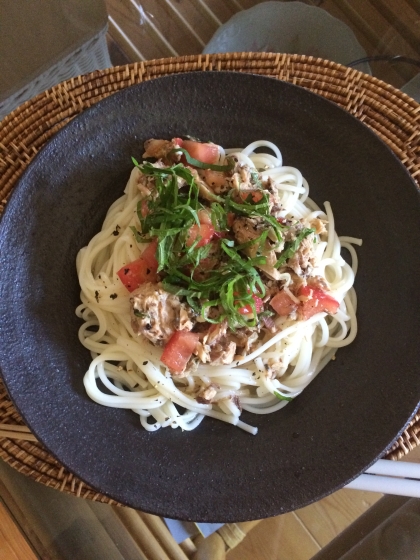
[172,211]
[282,397]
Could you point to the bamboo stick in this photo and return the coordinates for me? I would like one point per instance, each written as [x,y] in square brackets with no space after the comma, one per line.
[13,431]
[210,548]
[188,547]
[141,534]
[163,536]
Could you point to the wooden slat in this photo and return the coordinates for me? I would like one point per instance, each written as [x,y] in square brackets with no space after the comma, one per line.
[363,21]
[277,538]
[58,526]
[117,56]
[118,35]
[218,11]
[249,3]
[330,516]
[415,5]
[188,547]
[211,548]
[160,29]
[367,20]
[163,536]
[300,534]
[400,17]
[153,24]
[13,545]
[185,27]
[234,5]
[141,534]
[138,33]
[14,509]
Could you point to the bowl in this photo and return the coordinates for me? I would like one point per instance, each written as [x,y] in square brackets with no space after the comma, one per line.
[288,27]
[346,418]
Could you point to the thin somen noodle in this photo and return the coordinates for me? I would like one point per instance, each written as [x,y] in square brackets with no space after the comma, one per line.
[273,338]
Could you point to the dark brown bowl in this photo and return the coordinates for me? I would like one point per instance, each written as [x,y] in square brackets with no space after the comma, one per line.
[344,420]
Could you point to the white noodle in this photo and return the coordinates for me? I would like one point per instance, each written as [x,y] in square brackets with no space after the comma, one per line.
[141,383]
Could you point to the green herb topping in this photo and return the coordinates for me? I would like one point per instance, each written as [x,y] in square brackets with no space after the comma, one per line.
[282,397]
[217,279]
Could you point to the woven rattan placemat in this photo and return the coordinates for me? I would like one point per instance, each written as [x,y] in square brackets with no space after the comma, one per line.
[394,117]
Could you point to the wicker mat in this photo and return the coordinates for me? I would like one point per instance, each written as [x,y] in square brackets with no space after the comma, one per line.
[391,114]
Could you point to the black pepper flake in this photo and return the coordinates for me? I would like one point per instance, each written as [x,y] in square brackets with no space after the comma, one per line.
[97,296]
[113,296]
[147,270]
[116,230]
[126,270]
[145,363]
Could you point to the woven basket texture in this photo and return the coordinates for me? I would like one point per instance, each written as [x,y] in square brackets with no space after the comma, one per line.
[93,55]
[391,114]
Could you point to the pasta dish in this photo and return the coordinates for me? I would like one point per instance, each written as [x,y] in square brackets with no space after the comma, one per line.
[215,285]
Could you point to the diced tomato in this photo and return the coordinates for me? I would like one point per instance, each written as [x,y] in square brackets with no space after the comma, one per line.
[283,304]
[315,301]
[203,231]
[136,273]
[259,306]
[144,209]
[255,195]
[204,152]
[178,350]
[149,255]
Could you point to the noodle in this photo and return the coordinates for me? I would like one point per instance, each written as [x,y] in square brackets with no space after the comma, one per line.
[126,371]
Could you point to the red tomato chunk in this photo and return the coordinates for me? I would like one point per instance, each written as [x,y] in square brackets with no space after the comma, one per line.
[203,232]
[178,141]
[149,254]
[178,350]
[136,273]
[283,304]
[318,301]
[259,306]
[313,300]
[141,270]
[206,153]
[144,208]
[256,196]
